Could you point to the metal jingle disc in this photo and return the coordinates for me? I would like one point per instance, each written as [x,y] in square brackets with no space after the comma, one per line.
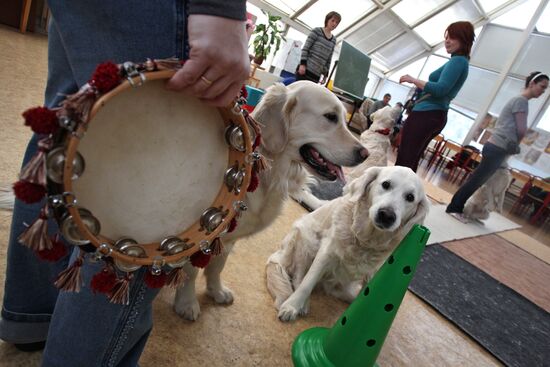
[71,232]
[235,138]
[174,245]
[55,162]
[211,219]
[234,179]
[128,246]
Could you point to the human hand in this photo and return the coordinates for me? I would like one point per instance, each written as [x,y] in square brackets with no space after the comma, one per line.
[302,70]
[406,79]
[218,63]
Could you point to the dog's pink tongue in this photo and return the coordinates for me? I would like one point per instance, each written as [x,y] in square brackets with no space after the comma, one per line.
[337,170]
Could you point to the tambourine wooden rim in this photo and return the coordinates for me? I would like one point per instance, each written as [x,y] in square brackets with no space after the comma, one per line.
[195,234]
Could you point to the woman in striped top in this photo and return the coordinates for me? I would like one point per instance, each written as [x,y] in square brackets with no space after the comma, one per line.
[317,51]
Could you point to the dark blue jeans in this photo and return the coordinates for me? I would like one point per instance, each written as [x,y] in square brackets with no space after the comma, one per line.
[85,329]
[492,159]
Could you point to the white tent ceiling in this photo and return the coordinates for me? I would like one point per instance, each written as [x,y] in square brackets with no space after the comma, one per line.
[395,33]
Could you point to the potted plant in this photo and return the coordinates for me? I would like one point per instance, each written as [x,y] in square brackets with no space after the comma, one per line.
[267,36]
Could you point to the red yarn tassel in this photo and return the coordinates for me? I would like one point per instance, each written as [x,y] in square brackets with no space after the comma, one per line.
[200,259]
[57,252]
[36,236]
[70,279]
[232,225]
[104,281]
[41,120]
[28,193]
[155,281]
[120,294]
[254,181]
[176,278]
[106,77]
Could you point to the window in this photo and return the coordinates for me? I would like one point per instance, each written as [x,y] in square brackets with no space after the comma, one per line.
[457,126]
[544,122]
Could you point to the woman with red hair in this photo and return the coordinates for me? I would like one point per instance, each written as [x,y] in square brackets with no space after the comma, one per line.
[429,114]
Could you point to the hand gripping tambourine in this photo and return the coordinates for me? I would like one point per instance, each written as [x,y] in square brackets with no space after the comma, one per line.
[137,174]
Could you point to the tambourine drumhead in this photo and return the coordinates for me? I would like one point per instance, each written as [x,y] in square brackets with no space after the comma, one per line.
[155,160]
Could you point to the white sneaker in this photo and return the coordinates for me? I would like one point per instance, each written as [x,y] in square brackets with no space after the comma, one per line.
[460,217]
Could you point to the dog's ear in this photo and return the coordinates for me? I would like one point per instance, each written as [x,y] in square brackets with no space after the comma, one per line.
[418,217]
[357,187]
[273,113]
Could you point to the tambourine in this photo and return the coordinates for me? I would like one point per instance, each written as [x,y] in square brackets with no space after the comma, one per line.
[146,176]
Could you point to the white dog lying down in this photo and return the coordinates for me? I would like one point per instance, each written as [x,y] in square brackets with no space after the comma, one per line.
[342,244]
[302,128]
[489,197]
[377,140]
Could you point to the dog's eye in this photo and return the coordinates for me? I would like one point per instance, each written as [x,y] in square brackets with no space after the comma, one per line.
[386,185]
[331,116]
[409,198]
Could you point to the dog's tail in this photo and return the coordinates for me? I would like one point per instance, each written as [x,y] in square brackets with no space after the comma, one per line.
[7,199]
[279,284]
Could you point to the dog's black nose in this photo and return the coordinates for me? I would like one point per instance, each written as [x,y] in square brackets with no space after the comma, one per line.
[385,217]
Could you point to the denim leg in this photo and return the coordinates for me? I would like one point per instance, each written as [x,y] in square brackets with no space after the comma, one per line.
[101,333]
[84,329]
[29,293]
[492,159]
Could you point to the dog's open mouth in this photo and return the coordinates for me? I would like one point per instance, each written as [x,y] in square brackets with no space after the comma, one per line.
[322,166]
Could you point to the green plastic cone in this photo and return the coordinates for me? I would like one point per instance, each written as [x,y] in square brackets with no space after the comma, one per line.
[358,336]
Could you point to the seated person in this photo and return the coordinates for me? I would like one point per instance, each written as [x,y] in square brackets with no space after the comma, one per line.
[378,105]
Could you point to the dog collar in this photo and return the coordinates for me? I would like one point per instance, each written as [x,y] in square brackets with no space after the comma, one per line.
[385,131]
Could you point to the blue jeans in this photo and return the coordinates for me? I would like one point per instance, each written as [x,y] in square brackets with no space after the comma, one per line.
[85,329]
[492,159]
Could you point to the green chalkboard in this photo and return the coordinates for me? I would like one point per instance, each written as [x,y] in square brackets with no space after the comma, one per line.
[352,71]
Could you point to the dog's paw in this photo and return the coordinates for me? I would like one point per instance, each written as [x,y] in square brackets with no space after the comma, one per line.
[221,295]
[188,310]
[289,312]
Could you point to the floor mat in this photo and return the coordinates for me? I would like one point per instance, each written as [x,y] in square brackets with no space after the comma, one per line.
[446,228]
[513,329]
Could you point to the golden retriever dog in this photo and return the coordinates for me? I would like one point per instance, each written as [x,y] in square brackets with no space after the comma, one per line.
[343,243]
[489,197]
[377,139]
[303,127]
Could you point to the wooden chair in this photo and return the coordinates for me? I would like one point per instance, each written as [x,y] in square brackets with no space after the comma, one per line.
[446,154]
[464,162]
[520,205]
[433,149]
[541,199]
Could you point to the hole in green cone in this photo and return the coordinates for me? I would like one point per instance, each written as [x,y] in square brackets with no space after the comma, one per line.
[366,292]
[344,319]
[407,270]
[388,307]
[371,342]
[391,260]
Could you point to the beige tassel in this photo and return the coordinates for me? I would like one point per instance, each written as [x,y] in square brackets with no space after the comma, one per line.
[262,164]
[36,236]
[70,279]
[78,105]
[168,64]
[120,294]
[35,171]
[216,246]
[176,278]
